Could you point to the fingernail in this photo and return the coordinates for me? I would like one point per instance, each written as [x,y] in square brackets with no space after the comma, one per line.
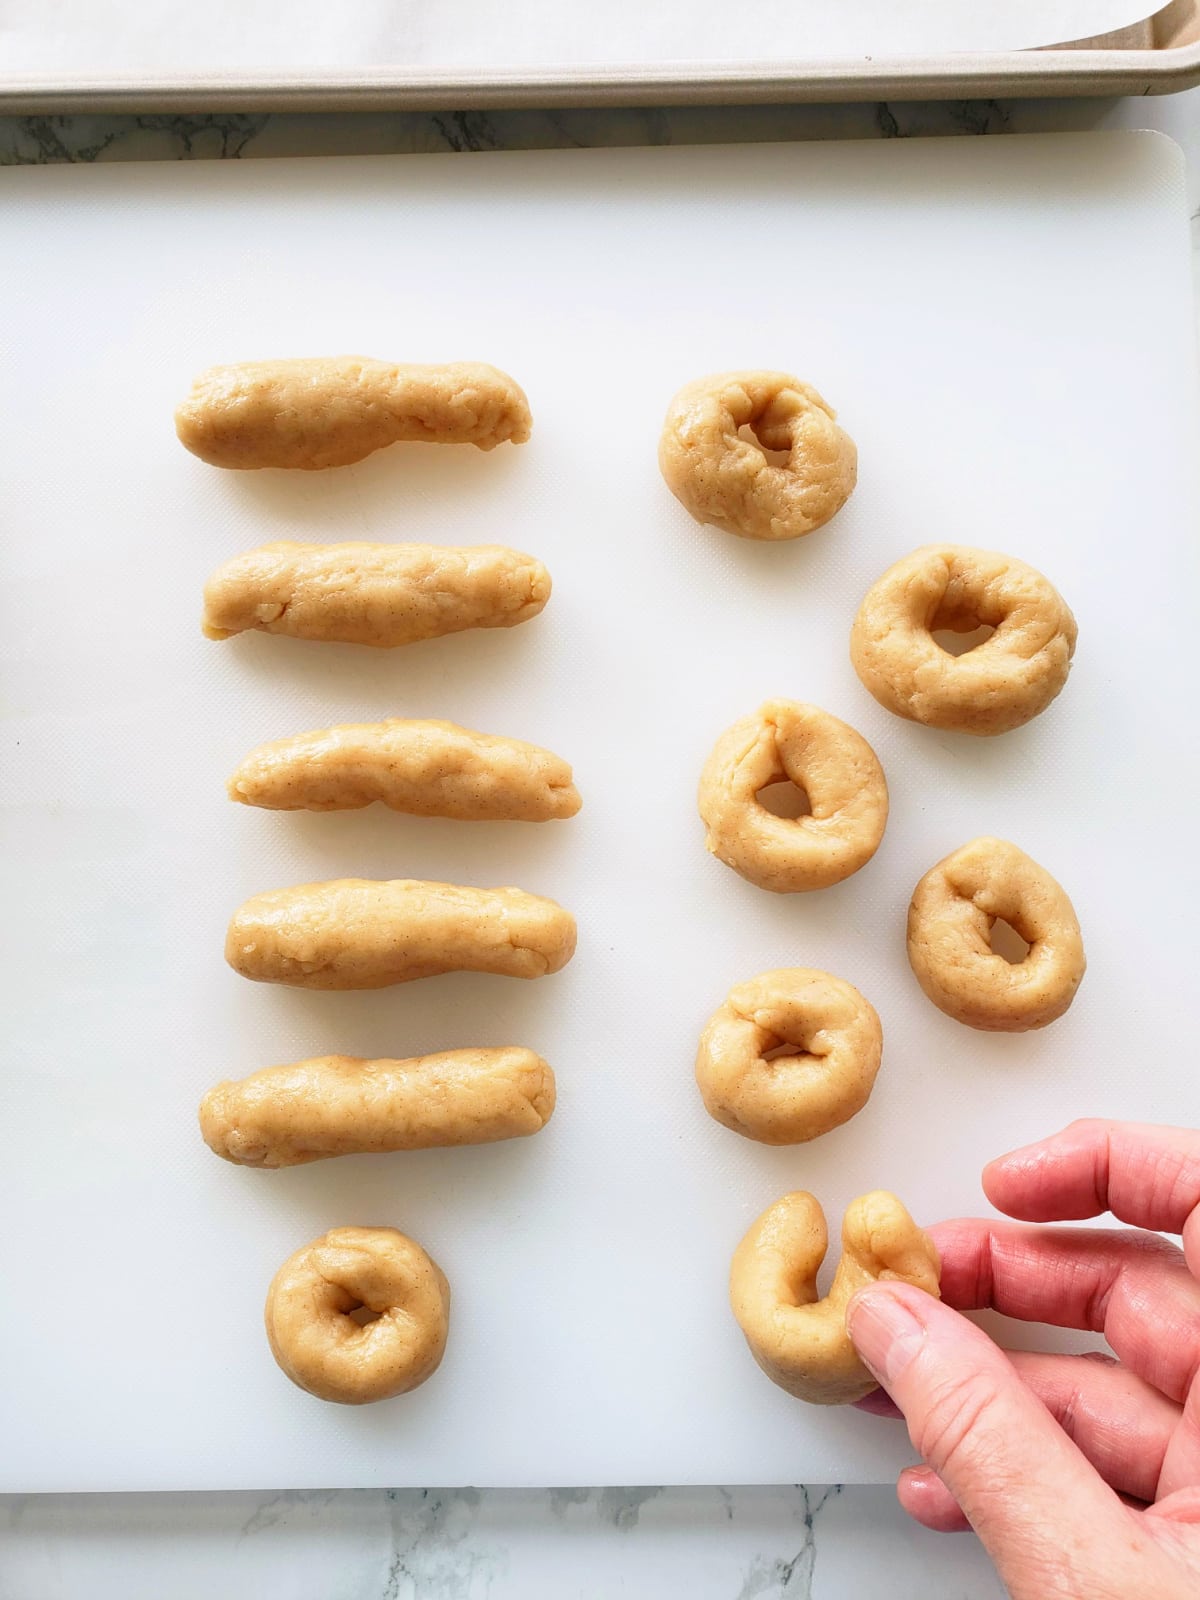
[918,1479]
[886,1330]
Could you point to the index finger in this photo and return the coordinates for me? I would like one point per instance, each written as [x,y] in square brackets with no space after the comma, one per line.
[1144,1174]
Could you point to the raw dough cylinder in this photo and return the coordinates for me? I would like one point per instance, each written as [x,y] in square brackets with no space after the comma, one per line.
[357,933]
[314,1316]
[340,1105]
[376,594]
[800,1341]
[330,411]
[427,769]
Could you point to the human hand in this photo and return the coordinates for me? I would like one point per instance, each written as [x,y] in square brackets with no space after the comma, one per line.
[1080,1474]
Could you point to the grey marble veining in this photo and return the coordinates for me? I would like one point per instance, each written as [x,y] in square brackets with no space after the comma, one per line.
[170,137]
[800,1542]
[230,134]
[793,1543]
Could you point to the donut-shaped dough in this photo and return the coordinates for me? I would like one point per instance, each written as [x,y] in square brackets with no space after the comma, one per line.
[424,768]
[360,1314]
[329,411]
[836,1042]
[723,478]
[800,1342]
[995,686]
[376,594]
[836,768]
[950,920]
[356,933]
[341,1105]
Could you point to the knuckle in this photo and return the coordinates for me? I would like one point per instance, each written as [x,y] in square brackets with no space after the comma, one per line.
[1087,1125]
[950,1422]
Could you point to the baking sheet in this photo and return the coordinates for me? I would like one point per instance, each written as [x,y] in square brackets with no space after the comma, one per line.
[1006,328]
[160,36]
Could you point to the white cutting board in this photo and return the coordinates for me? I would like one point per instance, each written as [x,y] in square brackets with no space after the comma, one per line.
[1006,328]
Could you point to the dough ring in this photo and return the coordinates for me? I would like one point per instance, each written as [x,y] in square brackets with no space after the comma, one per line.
[836,768]
[721,477]
[358,1315]
[950,920]
[993,687]
[837,1044]
[800,1342]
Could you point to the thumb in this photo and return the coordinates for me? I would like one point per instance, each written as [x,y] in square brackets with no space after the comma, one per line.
[1029,1494]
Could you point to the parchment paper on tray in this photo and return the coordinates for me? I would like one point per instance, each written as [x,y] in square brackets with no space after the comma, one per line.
[240,35]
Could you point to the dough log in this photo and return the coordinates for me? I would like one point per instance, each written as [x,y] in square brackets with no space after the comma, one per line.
[357,933]
[330,411]
[428,769]
[376,594]
[339,1105]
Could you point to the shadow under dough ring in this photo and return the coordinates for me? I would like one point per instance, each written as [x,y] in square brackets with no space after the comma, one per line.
[997,685]
[360,1314]
[834,766]
[800,1341]
[836,1045]
[950,921]
[726,479]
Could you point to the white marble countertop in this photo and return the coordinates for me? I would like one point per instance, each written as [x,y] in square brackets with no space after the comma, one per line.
[746,1543]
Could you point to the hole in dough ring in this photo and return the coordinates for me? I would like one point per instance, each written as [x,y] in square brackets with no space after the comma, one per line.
[799,1341]
[722,478]
[1001,683]
[949,939]
[836,768]
[316,1336]
[837,1042]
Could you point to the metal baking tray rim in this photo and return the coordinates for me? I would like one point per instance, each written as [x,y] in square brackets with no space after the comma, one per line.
[1065,71]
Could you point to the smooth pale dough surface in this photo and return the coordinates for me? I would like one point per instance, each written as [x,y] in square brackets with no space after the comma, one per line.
[950,921]
[340,1105]
[838,1043]
[362,933]
[995,686]
[311,1324]
[424,768]
[830,761]
[727,480]
[375,594]
[330,411]
[800,1341]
